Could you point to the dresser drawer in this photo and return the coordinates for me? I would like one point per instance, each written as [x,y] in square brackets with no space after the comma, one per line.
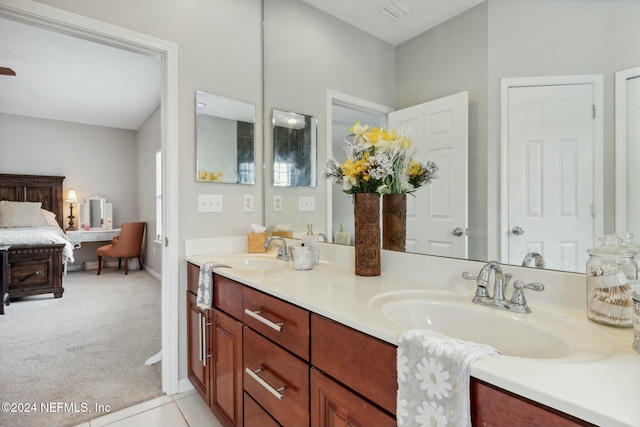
[280,321]
[29,273]
[361,362]
[281,383]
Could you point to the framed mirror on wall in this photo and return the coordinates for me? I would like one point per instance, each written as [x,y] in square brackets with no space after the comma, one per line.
[470,51]
[225,141]
[96,214]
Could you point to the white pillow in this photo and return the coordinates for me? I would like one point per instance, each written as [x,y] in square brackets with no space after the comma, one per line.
[20,214]
[49,218]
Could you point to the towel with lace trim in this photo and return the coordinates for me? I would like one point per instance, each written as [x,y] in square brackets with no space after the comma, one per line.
[434,379]
[205,284]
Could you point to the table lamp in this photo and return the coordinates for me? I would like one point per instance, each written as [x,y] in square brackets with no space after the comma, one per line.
[71,199]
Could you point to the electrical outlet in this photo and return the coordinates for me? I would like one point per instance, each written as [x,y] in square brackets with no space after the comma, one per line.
[210,203]
[247,205]
[277,203]
[306,204]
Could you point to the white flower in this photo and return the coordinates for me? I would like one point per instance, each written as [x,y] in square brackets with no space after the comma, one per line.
[431,415]
[434,378]
[401,411]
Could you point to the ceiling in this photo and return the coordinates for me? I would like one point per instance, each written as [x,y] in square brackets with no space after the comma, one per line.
[66,78]
[420,15]
[60,77]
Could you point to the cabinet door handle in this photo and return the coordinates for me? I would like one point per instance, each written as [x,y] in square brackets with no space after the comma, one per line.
[263,383]
[200,337]
[269,323]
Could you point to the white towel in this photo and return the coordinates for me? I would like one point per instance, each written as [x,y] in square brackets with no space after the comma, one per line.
[205,284]
[434,378]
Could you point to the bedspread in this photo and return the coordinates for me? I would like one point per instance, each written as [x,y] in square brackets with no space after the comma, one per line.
[37,236]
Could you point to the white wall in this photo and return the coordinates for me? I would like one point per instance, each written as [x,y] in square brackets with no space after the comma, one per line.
[148,141]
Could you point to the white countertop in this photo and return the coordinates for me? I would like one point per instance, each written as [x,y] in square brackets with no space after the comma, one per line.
[605,392]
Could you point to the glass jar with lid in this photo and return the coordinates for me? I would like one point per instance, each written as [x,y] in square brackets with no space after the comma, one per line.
[610,269]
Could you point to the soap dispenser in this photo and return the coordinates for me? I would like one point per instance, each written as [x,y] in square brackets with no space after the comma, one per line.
[342,237]
[311,240]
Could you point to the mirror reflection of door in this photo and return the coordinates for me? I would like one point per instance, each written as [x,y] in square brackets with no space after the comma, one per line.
[437,217]
[294,150]
[551,135]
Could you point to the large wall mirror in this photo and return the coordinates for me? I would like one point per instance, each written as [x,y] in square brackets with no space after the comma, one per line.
[225,143]
[472,52]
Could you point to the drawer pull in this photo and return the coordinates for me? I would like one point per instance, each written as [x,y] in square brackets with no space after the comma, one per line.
[263,383]
[35,273]
[269,323]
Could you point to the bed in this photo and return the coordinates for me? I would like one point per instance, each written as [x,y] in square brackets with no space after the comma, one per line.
[33,249]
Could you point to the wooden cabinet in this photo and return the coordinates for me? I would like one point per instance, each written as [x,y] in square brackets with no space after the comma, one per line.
[226,368]
[335,405]
[198,347]
[263,362]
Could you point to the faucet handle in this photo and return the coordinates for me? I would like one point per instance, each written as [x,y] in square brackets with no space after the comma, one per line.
[518,294]
[469,276]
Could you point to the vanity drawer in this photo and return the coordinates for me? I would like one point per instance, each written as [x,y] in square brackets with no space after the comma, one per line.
[270,314]
[365,364]
[193,277]
[282,383]
[227,296]
[255,416]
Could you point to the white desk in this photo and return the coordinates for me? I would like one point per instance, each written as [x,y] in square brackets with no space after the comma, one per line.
[99,235]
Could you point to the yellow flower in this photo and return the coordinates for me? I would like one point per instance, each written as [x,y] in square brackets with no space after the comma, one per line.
[414,168]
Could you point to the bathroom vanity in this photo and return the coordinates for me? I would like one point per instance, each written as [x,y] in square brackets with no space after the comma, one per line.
[306,348]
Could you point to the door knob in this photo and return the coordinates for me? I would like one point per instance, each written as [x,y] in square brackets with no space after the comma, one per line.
[457,231]
[517,230]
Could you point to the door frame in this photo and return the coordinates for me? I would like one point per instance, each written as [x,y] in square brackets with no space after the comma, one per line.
[596,80]
[355,103]
[44,16]
[620,118]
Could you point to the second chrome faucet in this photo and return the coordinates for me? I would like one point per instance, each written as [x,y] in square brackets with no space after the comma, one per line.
[517,303]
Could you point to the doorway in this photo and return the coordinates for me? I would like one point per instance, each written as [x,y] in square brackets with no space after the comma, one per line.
[551,129]
[82,27]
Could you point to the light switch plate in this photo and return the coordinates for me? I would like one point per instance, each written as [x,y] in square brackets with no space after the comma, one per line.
[210,203]
[306,204]
[277,203]
[247,204]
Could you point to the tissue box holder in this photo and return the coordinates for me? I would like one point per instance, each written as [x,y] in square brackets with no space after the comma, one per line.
[255,242]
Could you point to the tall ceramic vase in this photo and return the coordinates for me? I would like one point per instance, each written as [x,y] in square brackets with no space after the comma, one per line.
[367,234]
[394,222]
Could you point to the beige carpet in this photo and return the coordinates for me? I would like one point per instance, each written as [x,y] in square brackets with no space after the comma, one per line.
[85,349]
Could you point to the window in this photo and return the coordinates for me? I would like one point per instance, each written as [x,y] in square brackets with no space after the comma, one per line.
[159,195]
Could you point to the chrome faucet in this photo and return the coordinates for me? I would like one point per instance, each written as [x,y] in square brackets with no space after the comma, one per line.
[283,253]
[517,303]
[533,256]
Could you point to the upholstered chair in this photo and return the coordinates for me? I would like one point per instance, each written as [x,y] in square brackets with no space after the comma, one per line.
[127,245]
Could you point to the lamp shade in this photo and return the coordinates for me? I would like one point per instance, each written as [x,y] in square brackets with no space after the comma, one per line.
[72,197]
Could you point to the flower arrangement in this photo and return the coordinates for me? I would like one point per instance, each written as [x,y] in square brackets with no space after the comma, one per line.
[379,161]
[210,176]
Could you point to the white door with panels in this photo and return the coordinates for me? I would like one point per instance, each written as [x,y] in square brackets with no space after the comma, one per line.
[437,216]
[551,136]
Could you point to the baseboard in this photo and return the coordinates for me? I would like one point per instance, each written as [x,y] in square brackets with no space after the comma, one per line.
[184,385]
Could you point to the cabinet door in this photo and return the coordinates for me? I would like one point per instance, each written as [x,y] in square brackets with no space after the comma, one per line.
[226,368]
[334,405]
[198,348]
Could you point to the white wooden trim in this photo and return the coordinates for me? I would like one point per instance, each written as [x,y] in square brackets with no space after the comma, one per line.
[620,117]
[598,146]
[91,29]
[334,97]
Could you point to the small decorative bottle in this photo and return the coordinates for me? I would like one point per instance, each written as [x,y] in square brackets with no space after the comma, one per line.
[311,240]
[342,237]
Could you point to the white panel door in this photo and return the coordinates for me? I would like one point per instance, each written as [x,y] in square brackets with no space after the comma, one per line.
[439,129]
[551,193]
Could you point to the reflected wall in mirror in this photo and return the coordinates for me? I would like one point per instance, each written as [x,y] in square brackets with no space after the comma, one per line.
[471,52]
[294,149]
[225,145]
[95,212]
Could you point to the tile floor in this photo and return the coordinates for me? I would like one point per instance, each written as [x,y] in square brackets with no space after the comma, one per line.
[180,410]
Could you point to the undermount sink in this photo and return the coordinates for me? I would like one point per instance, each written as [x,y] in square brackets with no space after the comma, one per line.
[537,335]
[271,267]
